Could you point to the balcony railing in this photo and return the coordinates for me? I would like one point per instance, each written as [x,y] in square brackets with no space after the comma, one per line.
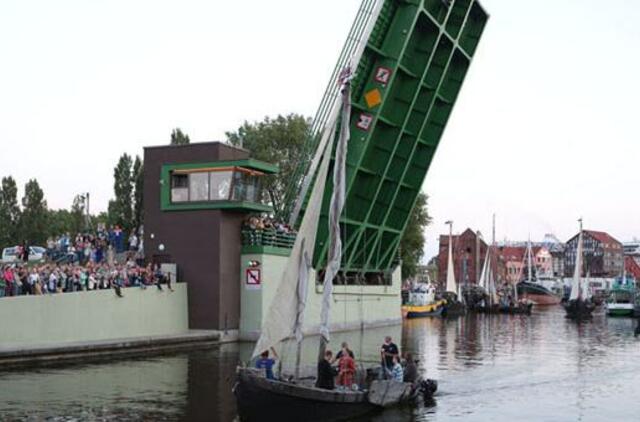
[268,237]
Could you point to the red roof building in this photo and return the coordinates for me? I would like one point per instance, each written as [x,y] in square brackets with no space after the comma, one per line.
[632,267]
[469,251]
[603,254]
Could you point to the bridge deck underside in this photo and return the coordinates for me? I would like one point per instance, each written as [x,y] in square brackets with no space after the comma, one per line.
[406,85]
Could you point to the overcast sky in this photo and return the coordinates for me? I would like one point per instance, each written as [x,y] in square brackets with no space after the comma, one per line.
[545,129]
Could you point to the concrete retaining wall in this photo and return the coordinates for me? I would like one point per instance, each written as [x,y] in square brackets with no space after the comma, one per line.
[353,307]
[53,320]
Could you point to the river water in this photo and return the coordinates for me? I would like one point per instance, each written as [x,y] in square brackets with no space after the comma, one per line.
[489,367]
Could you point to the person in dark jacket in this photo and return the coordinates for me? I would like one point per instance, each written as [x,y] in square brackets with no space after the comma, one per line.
[326,373]
[410,369]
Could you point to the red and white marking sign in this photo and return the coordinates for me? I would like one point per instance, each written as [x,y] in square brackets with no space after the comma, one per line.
[364,121]
[383,75]
[253,278]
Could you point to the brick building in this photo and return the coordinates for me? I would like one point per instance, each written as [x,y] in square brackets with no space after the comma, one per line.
[469,251]
[603,255]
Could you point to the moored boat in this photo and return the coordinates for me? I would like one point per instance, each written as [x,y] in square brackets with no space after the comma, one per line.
[454,306]
[421,302]
[537,293]
[579,307]
[622,297]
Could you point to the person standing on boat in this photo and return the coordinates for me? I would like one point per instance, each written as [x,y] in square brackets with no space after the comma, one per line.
[410,369]
[388,351]
[344,346]
[326,373]
[266,363]
[346,367]
[396,373]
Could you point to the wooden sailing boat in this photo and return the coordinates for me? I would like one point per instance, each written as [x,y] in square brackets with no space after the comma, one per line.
[579,306]
[297,399]
[454,306]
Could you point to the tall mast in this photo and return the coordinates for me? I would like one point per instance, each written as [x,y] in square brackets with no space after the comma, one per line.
[529,259]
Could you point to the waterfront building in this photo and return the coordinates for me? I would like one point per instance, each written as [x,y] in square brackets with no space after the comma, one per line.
[632,267]
[469,250]
[602,254]
[632,248]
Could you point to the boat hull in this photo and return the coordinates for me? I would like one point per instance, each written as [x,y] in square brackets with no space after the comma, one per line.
[454,309]
[430,310]
[579,310]
[260,399]
[620,310]
[537,294]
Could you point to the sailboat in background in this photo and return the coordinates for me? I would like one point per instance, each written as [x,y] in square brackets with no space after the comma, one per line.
[579,306]
[452,295]
[490,303]
[533,290]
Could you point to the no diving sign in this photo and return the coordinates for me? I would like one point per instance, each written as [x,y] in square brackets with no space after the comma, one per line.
[252,278]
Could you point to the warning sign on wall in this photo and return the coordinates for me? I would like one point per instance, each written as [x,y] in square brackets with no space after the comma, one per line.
[252,279]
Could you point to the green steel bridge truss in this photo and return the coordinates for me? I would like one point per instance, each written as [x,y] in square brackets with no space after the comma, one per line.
[405,87]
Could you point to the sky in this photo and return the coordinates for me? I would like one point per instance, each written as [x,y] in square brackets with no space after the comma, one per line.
[544,131]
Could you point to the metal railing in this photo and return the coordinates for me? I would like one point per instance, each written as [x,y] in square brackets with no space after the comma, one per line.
[268,237]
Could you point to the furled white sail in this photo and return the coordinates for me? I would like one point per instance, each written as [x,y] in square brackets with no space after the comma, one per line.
[451,277]
[335,210]
[576,287]
[484,275]
[280,321]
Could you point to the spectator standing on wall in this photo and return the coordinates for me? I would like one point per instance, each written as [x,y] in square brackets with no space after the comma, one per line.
[133,241]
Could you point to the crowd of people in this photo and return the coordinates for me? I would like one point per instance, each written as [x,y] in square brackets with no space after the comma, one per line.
[339,371]
[95,247]
[84,262]
[265,231]
[52,278]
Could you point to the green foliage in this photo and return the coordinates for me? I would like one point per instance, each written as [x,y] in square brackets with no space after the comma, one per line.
[34,216]
[412,242]
[121,210]
[78,214]
[278,141]
[9,212]
[138,192]
[179,138]
[60,221]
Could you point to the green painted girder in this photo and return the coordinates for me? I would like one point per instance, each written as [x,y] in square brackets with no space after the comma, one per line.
[406,86]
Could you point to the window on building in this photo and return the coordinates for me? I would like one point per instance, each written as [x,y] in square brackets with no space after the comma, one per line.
[198,187]
[220,185]
[179,188]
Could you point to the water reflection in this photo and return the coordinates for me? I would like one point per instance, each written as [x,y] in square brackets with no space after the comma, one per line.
[489,367]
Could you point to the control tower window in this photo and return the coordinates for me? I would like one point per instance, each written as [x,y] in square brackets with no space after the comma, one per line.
[220,185]
[199,187]
[179,188]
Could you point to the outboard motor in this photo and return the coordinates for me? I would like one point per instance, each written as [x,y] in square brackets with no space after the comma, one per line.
[428,388]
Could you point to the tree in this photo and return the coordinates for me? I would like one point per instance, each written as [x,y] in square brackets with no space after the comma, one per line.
[121,210]
[412,242]
[34,216]
[78,219]
[138,192]
[179,138]
[9,212]
[278,141]
[59,221]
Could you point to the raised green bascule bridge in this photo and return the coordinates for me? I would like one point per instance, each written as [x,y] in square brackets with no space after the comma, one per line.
[409,59]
